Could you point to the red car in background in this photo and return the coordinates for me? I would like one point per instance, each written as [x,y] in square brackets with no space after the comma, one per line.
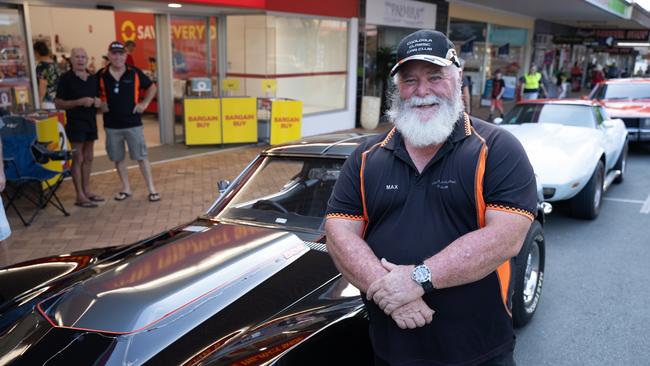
[629,100]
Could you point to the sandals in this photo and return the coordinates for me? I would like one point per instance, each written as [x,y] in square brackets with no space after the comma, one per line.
[87,204]
[96,198]
[121,196]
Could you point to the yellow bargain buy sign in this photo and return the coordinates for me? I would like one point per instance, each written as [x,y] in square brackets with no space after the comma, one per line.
[202,121]
[239,120]
[286,121]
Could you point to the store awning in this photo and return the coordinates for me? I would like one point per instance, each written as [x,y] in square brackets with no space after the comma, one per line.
[601,14]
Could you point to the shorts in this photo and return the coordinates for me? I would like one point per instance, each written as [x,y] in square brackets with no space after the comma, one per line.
[530,95]
[5,230]
[497,103]
[83,133]
[134,137]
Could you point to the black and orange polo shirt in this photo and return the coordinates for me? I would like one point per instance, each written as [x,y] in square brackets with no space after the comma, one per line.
[122,96]
[409,217]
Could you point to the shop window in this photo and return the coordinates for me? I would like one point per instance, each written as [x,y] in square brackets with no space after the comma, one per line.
[15,91]
[305,57]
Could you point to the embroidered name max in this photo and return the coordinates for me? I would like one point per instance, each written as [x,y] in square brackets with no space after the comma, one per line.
[391,186]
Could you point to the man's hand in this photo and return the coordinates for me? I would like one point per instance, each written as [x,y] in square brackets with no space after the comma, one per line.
[86,102]
[413,315]
[98,102]
[139,108]
[3,181]
[394,289]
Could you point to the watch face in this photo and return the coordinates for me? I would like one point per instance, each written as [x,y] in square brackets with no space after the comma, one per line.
[421,274]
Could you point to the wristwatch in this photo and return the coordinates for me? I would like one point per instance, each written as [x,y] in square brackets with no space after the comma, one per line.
[422,275]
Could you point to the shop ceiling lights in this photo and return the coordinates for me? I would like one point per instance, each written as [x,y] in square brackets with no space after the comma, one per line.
[633,44]
[174,5]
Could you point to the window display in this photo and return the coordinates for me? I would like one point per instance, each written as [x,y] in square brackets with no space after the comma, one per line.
[14,71]
[263,47]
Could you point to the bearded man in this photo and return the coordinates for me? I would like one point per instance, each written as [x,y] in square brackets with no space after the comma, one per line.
[424,219]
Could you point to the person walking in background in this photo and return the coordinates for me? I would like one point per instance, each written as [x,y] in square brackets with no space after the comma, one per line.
[598,76]
[466,88]
[421,217]
[47,74]
[5,230]
[78,94]
[130,47]
[119,88]
[576,77]
[532,84]
[498,88]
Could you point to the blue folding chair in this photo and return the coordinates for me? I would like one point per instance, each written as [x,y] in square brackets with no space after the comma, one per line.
[25,175]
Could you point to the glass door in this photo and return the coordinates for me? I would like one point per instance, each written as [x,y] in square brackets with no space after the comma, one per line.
[194,58]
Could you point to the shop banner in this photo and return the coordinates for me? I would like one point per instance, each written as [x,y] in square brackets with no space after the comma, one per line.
[202,121]
[139,28]
[239,120]
[401,13]
[52,129]
[286,121]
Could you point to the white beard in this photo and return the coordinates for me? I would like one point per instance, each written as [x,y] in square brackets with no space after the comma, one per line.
[421,130]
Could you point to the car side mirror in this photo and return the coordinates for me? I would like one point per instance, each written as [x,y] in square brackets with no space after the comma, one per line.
[498,120]
[223,185]
[608,123]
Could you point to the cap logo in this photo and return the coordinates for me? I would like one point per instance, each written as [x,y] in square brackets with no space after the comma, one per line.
[419,45]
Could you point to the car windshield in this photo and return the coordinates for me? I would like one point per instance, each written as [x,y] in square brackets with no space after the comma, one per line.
[636,90]
[563,114]
[287,192]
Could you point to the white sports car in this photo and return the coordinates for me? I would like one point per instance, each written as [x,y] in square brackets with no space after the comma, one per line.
[575,149]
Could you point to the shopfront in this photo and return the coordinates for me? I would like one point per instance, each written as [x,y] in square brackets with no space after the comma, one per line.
[490,40]
[266,49]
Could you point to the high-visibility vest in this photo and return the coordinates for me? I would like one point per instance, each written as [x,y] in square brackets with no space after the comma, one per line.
[532,81]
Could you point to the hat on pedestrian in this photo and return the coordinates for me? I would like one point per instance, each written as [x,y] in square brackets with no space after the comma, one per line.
[426,45]
[116,47]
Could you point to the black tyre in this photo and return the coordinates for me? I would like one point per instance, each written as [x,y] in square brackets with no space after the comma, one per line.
[621,163]
[586,204]
[528,276]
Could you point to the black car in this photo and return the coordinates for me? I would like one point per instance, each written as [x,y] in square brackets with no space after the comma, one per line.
[248,283]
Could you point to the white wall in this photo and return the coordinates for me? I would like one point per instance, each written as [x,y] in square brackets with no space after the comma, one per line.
[343,120]
[87,28]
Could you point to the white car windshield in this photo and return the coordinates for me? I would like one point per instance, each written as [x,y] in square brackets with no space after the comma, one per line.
[563,114]
[633,90]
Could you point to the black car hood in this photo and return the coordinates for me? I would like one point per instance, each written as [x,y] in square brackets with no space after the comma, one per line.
[173,299]
[225,261]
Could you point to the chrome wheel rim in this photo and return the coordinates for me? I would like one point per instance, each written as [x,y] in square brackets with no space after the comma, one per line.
[531,276]
[599,190]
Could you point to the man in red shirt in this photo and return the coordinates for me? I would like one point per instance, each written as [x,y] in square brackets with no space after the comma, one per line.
[130,47]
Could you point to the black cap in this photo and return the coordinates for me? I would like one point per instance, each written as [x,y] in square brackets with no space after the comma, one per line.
[426,45]
[116,47]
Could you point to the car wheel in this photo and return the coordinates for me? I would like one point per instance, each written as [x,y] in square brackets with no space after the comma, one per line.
[528,276]
[586,204]
[621,163]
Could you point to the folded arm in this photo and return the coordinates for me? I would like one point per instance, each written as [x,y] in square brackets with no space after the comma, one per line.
[467,259]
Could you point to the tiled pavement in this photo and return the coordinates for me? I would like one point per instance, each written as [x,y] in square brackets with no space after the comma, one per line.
[187,188]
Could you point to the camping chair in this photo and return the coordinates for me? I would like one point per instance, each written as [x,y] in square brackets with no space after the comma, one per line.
[25,175]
